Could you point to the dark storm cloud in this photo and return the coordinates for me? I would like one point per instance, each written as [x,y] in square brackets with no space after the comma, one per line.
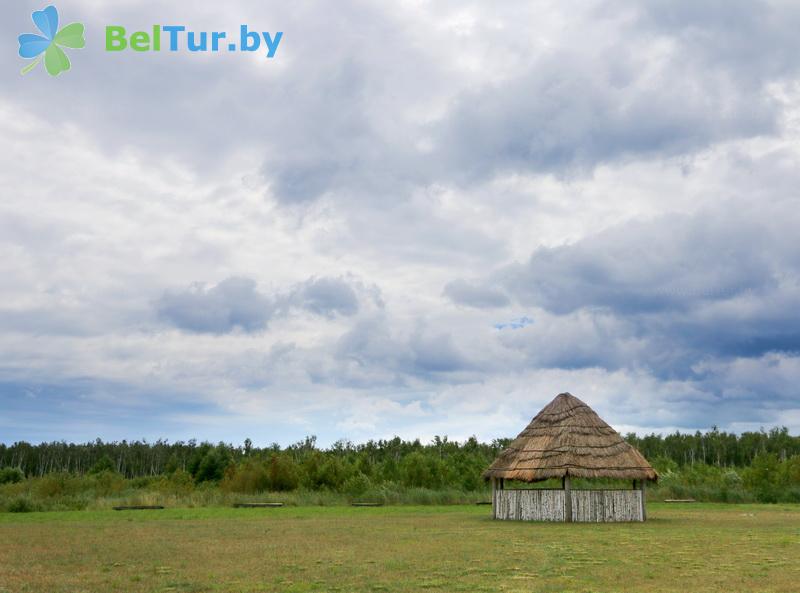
[669,264]
[667,293]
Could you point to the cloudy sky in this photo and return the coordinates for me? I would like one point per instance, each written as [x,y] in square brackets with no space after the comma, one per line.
[418,218]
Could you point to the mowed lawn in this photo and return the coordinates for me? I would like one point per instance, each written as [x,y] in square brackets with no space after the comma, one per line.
[690,548]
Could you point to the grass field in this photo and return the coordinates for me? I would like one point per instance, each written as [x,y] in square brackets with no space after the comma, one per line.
[691,548]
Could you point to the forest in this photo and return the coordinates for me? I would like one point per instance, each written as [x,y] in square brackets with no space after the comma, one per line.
[761,466]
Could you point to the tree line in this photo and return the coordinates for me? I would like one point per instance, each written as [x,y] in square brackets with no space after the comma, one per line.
[717,448]
[761,466]
[439,459]
[386,457]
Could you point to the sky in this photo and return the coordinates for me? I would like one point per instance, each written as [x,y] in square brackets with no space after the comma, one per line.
[418,218]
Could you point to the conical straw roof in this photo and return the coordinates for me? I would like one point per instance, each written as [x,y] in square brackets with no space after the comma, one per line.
[568,438]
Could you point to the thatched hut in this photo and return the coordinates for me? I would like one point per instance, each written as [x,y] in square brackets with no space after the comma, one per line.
[567,439]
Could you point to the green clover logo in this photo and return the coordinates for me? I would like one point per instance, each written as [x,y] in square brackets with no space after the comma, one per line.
[50,42]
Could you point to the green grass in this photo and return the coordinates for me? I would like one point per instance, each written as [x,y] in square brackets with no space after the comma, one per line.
[698,548]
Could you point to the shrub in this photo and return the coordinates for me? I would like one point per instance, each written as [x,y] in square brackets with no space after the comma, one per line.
[178,483]
[284,474]
[21,504]
[664,465]
[249,477]
[731,479]
[143,482]
[11,475]
[356,485]
[107,483]
[53,485]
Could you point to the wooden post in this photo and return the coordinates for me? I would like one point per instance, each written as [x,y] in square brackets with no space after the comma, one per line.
[567,499]
[641,487]
[494,500]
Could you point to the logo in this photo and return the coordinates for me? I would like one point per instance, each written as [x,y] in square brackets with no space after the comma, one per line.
[50,42]
[178,37]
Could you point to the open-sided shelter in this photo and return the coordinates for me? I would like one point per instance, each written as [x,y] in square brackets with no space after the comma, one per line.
[567,439]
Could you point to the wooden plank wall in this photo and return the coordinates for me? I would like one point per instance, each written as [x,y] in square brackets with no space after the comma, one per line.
[596,506]
[599,506]
[530,505]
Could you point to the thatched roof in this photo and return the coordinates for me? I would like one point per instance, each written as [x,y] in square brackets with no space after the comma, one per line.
[568,438]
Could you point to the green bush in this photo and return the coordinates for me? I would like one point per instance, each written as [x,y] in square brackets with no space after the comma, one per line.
[11,475]
[356,485]
[21,504]
[284,474]
[108,483]
[248,478]
[144,482]
[54,485]
[178,483]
